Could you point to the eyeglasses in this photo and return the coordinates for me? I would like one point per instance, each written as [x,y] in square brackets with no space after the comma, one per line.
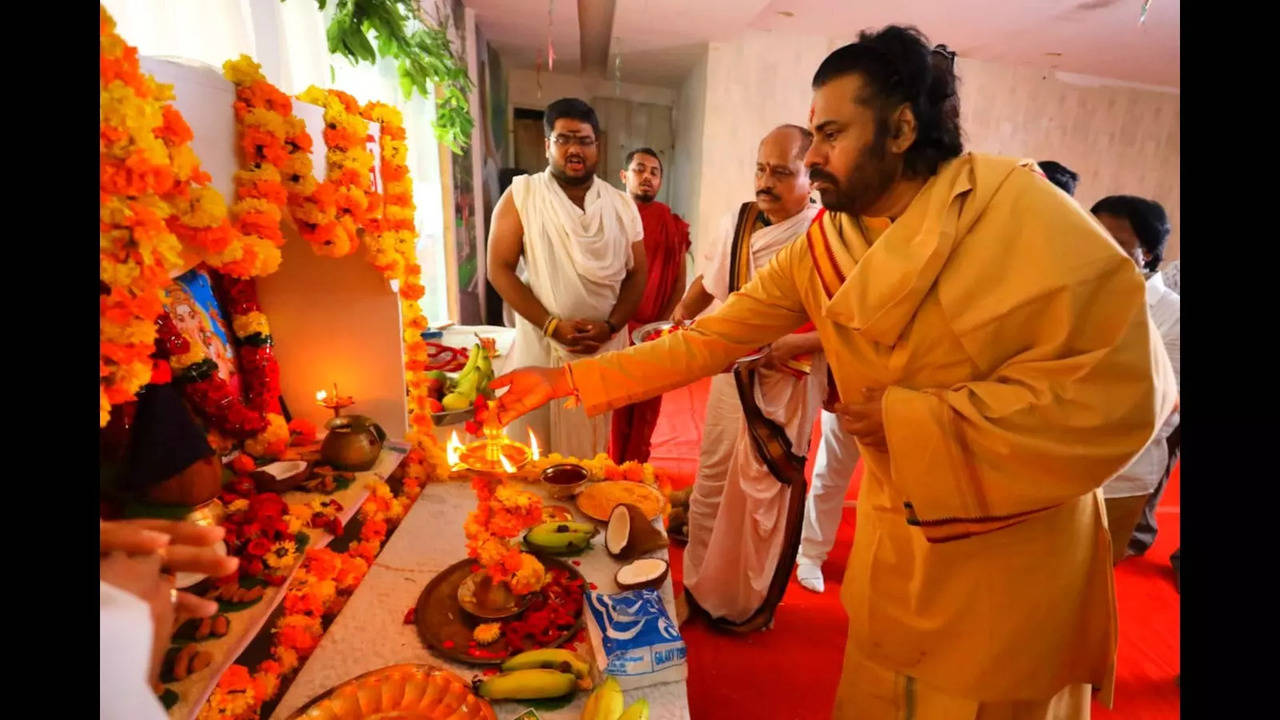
[582,141]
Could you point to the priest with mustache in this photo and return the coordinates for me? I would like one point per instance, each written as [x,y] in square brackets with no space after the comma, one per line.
[993,357]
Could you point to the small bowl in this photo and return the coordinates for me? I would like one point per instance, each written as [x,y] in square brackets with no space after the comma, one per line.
[564,480]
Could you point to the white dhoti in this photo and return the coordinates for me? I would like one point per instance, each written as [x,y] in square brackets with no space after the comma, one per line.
[575,260]
[732,575]
[737,511]
[832,472]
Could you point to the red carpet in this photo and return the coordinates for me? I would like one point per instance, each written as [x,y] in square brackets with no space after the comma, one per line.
[790,672]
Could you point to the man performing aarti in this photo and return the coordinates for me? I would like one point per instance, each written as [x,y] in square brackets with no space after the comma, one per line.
[580,241]
[995,361]
[666,240]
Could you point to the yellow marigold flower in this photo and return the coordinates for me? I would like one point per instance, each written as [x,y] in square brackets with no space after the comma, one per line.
[191,357]
[104,407]
[265,120]
[238,506]
[118,274]
[487,633]
[204,209]
[254,322]
[242,71]
[281,554]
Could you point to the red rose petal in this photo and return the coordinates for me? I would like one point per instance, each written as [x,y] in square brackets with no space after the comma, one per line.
[411,616]
[591,585]
[448,644]
[577,563]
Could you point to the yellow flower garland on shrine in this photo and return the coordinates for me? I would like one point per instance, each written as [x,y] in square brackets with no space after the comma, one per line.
[350,169]
[392,249]
[155,203]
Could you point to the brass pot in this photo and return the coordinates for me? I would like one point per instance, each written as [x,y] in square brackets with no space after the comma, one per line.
[200,482]
[353,443]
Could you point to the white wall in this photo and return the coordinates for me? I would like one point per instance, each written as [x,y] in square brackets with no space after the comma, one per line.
[684,174]
[1121,139]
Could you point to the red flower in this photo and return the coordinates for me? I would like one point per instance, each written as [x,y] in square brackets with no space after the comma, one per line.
[411,616]
[243,484]
[253,566]
[243,464]
[335,527]
[258,547]
[274,580]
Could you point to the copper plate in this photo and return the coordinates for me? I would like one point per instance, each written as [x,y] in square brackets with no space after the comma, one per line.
[399,692]
[441,619]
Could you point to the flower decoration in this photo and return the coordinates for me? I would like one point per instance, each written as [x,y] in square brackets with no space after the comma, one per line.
[350,173]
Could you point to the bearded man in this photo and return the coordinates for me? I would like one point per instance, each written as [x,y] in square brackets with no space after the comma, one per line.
[995,361]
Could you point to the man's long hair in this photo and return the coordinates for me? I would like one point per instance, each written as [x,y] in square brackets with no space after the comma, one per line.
[899,67]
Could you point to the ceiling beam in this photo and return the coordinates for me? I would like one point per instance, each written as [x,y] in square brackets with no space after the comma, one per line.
[595,33]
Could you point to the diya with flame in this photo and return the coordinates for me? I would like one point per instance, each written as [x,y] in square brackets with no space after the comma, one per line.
[494,452]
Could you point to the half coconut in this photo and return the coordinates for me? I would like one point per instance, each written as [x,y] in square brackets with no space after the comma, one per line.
[643,573]
[630,534]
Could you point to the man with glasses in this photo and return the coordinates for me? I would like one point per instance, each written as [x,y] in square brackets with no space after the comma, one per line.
[566,253]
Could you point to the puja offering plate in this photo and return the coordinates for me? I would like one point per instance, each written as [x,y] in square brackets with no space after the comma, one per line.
[446,629]
[399,692]
[654,330]
[452,417]
[598,500]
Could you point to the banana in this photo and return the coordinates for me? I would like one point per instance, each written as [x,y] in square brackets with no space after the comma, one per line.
[455,401]
[605,703]
[532,684]
[472,360]
[556,537]
[639,710]
[551,658]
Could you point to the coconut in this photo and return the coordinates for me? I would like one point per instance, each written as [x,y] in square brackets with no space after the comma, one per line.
[630,534]
[643,573]
[280,476]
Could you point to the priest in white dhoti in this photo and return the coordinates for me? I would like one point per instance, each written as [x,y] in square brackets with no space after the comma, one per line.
[566,253]
[746,508]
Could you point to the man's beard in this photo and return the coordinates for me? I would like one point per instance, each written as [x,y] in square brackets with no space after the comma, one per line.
[644,196]
[562,176]
[872,176]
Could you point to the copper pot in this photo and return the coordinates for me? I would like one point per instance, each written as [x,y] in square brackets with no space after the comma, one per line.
[353,443]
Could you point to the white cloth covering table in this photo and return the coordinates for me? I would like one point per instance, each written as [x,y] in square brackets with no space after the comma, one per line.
[370,632]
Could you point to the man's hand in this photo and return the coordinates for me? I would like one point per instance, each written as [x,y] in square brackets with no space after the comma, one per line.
[782,350]
[179,546]
[592,331]
[864,419]
[680,316]
[529,389]
[140,576]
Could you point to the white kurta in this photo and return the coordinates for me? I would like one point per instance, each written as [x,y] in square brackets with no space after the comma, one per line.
[1144,473]
[125,633]
[575,260]
[737,519]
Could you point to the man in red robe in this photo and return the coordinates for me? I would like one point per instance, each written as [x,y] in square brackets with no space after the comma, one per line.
[666,240]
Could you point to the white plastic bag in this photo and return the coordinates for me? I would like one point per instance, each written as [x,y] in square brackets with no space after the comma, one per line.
[634,639]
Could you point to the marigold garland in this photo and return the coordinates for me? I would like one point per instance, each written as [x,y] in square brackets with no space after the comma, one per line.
[155,201]
[319,590]
[501,513]
[280,139]
[350,170]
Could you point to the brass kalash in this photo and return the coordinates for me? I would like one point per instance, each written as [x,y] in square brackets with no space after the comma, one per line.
[493,454]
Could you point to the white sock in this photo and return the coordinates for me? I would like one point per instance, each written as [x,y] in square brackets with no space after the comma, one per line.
[810,577]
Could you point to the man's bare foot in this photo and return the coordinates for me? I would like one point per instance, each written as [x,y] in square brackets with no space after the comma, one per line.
[682,609]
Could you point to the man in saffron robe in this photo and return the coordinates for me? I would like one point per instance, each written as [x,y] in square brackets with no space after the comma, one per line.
[666,240]
[995,361]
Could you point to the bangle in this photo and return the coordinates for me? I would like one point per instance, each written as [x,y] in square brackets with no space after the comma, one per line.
[550,326]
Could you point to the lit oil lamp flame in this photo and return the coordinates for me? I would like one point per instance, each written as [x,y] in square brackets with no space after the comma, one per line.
[321,396]
[506,464]
[453,449]
[534,453]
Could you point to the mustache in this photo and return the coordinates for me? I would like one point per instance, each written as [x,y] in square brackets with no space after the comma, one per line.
[816,174]
[767,193]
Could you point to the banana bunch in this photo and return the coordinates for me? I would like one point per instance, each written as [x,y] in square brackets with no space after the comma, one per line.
[560,538]
[472,382]
[538,675]
[606,703]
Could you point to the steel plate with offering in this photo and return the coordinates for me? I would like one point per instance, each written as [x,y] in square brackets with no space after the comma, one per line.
[654,330]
